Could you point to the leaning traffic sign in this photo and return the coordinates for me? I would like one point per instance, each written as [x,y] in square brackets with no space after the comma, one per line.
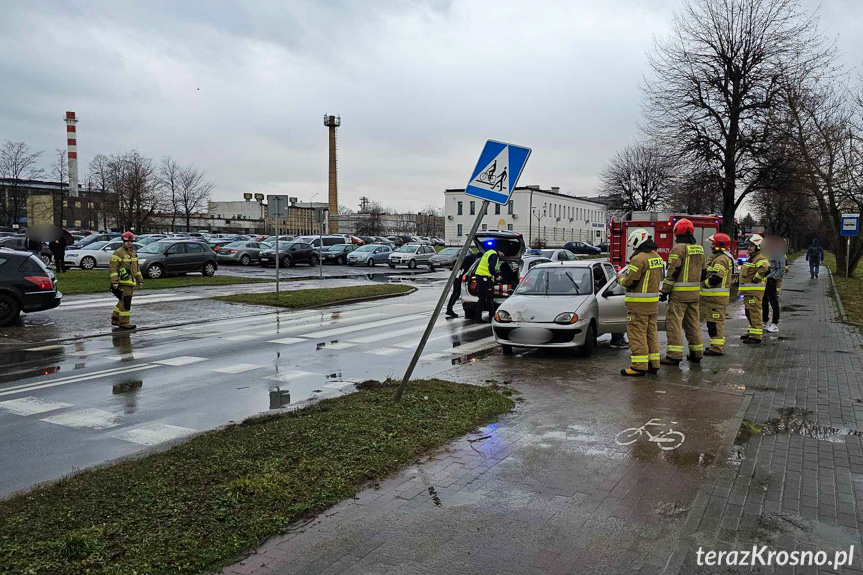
[497,171]
[850,225]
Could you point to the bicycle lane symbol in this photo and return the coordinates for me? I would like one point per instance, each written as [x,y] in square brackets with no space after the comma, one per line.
[667,439]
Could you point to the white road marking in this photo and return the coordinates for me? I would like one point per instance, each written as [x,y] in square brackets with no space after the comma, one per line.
[416,342]
[74,379]
[155,433]
[400,332]
[478,345]
[93,418]
[182,360]
[239,368]
[139,300]
[287,340]
[386,351]
[370,325]
[31,406]
[238,337]
[45,348]
[130,356]
[290,375]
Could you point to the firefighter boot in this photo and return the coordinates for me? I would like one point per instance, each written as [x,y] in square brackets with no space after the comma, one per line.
[669,361]
[631,372]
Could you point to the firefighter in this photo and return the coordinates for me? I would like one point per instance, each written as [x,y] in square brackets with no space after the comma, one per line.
[752,276]
[125,275]
[715,290]
[486,272]
[680,287]
[641,279]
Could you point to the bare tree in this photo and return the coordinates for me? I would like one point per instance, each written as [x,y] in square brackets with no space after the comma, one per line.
[370,222]
[97,183]
[193,192]
[636,178]
[345,211]
[697,190]
[17,164]
[135,191]
[716,81]
[169,178]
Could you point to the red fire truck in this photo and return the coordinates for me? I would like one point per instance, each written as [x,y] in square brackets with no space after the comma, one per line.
[660,224]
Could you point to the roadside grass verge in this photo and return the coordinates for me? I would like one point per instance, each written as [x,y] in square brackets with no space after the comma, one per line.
[76,282]
[197,506]
[303,298]
[850,290]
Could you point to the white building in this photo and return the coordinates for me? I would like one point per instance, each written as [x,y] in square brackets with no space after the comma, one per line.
[536,213]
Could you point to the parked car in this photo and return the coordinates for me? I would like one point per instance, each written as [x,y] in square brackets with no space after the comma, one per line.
[26,284]
[315,241]
[411,255]
[437,242]
[563,255]
[564,305]
[337,254]
[169,257]
[97,254]
[241,252]
[149,239]
[20,243]
[603,247]
[445,258]
[370,255]
[512,245]
[291,253]
[582,248]
[528,263]
[100,237]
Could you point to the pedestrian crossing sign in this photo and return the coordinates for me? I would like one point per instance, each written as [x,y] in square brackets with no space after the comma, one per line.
[497,171]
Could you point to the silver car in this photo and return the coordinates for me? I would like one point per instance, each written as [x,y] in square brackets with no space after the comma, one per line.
[411,255]
[445,258]
[564,305]
[95,255]
[241,252]
[369,255]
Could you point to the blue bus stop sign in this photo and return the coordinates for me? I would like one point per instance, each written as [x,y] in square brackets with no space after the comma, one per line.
[850,225]
[497,171]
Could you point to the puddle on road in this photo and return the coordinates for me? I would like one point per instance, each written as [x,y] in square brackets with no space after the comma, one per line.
[795,420]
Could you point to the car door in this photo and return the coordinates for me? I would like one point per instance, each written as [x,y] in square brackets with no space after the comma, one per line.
[196,256]
[175,258]
[103,256]
[612,309]
[253,249]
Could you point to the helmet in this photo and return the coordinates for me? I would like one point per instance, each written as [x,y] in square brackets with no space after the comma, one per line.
[683,226]
[755,240]
[721,241]
[128,236]
[637,237]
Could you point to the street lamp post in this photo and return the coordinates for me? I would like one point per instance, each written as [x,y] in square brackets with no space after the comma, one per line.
[320,235]
[538,215]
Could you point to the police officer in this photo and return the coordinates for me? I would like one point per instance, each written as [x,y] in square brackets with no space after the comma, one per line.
[125,275]
[715,291]
[641,280]
[752,276]
[486,272]
[680,288]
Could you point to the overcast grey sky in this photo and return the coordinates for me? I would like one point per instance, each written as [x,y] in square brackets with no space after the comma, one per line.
[240,88]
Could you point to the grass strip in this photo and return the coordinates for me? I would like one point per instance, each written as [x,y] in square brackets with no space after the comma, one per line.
[76,282]
[195,507]
[850,289]
[302,298]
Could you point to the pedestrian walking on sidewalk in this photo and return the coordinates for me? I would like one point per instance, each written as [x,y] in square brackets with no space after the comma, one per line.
[681,288]
[814,255]
[469,259]
[641,278]
[125,275]
[715,291]
[771,291]
[752,277]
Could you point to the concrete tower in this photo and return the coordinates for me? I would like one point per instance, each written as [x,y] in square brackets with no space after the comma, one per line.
[333,122]
[72,149]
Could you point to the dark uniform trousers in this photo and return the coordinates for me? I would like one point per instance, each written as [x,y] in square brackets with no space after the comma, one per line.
[485,296]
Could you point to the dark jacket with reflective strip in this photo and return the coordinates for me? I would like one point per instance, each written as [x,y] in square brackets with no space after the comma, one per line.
[124,267]
[642,279]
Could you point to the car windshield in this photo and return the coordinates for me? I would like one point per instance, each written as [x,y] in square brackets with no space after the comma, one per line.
[148,241]
[546,253]
[556,281]
[449,251]
[95,246]
[368,248]
[267,244]
[408,249]
[155,248]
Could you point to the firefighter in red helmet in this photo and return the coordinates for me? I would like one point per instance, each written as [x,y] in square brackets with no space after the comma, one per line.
[125,275]
[681,287]
[715,291]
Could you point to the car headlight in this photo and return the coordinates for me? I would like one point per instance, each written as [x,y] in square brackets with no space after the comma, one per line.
[502,316]
[142,260]
[566,317]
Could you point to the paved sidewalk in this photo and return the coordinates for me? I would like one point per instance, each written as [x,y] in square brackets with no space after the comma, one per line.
[549,490]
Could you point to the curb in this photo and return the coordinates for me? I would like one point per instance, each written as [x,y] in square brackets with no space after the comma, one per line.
[843,317]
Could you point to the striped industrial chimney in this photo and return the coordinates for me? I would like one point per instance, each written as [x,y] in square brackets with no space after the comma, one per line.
[72,148]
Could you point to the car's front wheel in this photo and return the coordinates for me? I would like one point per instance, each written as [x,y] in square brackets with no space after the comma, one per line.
[9,310]
[431,268]
[155,271]
[88,263]
[313,261]
[412,264]
[209,269]
[370,262]
[393,266]
[341,260]
[586,350]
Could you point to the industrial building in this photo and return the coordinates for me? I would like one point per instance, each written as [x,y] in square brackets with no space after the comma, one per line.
[547,215]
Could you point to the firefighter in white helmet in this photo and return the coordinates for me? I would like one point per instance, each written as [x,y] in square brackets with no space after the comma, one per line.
[641,278]
[752,282]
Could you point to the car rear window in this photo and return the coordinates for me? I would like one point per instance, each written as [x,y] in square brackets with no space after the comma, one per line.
[33,265]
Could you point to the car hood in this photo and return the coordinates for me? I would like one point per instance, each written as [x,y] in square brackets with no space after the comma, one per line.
[443,257]
[537,308]
[511,243]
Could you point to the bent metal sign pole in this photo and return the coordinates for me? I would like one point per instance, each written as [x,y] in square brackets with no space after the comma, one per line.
[493,180]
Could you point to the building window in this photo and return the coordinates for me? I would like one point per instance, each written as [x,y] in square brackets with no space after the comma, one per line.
[77,204]
[472,208]
[485,227]
[509,227]
[497,209]
[459,232]
[460,209]
[509,207]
